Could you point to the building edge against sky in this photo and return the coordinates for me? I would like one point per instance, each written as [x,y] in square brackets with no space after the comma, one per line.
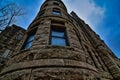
[61,46]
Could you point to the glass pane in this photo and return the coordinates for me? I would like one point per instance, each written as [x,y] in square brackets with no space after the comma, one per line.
[27,45]
[31,37]
[56,12]
[58,41]
[58,33]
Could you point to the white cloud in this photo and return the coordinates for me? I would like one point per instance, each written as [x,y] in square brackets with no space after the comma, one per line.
[87,10]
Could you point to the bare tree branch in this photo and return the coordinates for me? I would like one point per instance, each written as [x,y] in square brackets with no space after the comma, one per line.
[9,13]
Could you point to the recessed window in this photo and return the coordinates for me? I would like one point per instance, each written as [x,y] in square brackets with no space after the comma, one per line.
[58,36]
[56,3]
[29,40]
[56,11]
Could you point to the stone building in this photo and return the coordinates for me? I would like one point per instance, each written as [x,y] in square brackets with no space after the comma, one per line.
[9,39]
[61,46]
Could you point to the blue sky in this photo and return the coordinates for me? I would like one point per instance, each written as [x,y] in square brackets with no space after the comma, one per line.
[102,16]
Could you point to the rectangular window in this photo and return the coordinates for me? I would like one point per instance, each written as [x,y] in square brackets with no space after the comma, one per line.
[29,41]
[58,36]
[56,11]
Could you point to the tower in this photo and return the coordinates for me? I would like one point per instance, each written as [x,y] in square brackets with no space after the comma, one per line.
[60,46]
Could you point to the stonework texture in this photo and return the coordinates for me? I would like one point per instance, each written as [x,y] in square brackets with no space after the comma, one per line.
[9,39]
[84,57]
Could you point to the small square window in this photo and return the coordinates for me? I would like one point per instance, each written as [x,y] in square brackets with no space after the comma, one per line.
[58,41]
[56,3]
[56,11]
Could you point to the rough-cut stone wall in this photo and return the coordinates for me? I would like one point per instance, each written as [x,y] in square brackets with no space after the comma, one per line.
[86,57]
[9,40]
[106,55]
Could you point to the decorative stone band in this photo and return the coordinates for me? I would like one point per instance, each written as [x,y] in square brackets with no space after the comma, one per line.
[48,63]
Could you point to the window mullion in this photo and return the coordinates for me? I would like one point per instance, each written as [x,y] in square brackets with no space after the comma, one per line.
[29,42]
[59,37]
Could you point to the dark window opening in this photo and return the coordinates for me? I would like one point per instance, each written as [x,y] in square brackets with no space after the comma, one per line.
[58,36]
[86,47]
[29,40]
[56,3]
[56,11]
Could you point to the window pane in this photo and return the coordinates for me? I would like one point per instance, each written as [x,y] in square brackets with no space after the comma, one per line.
[6,53]
[59,34]
[58,41]
[29,41]
[27,45]
[56,12]
[30,38]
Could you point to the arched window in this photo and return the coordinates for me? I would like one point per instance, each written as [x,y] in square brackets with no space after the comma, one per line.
[56,11]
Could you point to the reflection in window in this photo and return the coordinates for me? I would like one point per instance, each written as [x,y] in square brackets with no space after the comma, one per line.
[29,41]
[56,11]
[6,53]
[58,37]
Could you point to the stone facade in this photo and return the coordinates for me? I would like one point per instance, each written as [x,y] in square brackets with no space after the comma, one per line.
[84,55]
[9,39]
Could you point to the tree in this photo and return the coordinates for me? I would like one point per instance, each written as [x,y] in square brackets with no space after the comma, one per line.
[9,14]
